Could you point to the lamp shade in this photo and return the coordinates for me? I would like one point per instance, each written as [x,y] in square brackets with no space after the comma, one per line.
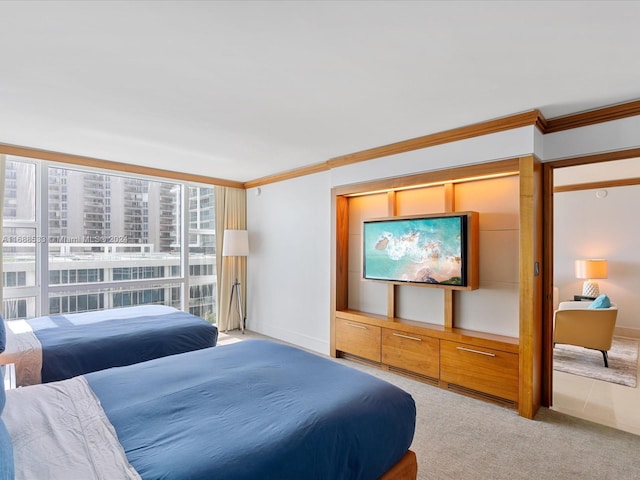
[235,243]
[591,268]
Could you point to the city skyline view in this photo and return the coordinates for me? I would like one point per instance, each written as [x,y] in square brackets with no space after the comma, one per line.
[104,240]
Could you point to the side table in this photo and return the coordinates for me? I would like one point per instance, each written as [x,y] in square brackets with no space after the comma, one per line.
[581,298]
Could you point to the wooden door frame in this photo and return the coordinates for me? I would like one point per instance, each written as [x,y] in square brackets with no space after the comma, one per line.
[546,399]
[547,232]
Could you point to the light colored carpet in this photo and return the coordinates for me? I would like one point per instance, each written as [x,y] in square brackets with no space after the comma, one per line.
[460,438]
[623,361]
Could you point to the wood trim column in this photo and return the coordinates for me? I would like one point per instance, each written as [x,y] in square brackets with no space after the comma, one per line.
[530,287]
[546,394]
[339,262]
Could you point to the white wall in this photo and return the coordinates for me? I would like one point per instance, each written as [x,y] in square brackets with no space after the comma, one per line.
[602,137]
[288,269]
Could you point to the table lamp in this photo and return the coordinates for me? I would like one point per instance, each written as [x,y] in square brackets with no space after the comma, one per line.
[590,269]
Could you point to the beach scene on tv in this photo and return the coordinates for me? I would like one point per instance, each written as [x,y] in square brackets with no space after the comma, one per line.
[424,250]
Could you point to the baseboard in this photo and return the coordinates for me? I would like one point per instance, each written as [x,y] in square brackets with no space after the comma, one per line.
[628,332]
[289,336]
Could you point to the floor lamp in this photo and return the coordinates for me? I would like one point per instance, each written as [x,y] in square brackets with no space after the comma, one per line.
[235,244]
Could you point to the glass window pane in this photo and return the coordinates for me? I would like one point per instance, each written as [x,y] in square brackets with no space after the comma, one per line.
[81,301]
[119,229]
[19,256]
[202,249]
[20,191]
[19,308]
[54,306]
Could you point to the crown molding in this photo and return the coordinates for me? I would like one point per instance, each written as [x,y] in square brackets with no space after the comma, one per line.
[278,177]
[591,117]
[595,158]
[462,133]
[625,182]
[110,165]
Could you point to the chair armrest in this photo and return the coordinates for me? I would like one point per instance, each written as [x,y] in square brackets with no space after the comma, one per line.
[573,305]
[578,305]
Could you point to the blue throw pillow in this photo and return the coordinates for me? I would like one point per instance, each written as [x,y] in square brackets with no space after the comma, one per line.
[601,302]
[7,468]
[3,335]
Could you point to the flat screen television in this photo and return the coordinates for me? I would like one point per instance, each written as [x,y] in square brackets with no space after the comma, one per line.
[427,250]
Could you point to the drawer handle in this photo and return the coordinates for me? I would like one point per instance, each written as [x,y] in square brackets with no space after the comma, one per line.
[488,354]
[355,325]
[407,336]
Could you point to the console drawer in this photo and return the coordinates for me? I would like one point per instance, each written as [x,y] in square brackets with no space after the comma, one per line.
[486,370]
[412,352]
[358,339]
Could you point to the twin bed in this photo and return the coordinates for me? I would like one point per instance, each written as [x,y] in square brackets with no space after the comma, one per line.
[57,347]
[252,409]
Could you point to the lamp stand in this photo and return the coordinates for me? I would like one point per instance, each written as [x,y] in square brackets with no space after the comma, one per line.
[235,289]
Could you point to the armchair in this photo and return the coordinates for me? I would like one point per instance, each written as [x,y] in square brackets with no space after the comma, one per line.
[576,324]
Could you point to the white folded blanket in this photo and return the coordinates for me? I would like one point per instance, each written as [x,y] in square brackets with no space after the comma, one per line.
[59,431]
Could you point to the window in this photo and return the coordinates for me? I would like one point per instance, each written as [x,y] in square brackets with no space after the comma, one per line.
[20,240]
[202,249]
[15,279]
[118,242]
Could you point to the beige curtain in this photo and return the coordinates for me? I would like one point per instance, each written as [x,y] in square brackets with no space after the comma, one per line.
[3,171]
[231,213]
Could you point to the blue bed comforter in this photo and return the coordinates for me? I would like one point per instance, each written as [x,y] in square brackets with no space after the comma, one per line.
[255,410]
[81,343]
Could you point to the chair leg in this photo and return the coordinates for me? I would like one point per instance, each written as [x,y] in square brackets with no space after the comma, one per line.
[606,358]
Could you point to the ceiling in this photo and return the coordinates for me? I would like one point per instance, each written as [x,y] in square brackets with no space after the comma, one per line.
[241,90]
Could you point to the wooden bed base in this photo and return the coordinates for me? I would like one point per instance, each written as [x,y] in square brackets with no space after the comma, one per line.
[405,469]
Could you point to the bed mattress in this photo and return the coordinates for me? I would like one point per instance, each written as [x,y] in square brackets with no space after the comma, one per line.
[255,409]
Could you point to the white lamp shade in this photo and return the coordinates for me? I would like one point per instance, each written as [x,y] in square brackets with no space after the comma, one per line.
[235,243]
[591,268]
